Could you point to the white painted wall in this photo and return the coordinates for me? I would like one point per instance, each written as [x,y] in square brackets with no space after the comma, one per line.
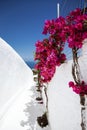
[63,104]
[15,75]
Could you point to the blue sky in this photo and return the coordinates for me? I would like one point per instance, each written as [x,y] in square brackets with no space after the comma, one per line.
[22,21]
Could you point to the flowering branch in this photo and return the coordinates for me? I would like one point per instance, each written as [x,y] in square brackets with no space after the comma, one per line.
[49,52]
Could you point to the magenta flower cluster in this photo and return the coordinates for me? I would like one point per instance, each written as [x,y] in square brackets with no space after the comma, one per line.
[49,51]
[79,88]
[48,57]
[77,22]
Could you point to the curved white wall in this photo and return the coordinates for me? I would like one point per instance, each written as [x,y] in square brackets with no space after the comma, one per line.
[14,73]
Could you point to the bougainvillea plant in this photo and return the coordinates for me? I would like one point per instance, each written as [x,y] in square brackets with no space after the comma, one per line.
[77,21]
[49,52]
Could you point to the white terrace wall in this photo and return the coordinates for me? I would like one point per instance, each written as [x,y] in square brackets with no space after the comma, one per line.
[63,104]
[15,75]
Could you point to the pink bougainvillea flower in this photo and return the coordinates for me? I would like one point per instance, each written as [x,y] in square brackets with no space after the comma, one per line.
[78,26]
[71,84]
[79,88]
[49,27]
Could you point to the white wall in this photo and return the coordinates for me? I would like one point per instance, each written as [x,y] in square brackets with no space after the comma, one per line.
[64,105]
[14,73]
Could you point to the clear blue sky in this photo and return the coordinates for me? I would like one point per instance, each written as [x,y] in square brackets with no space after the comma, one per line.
[22,21]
